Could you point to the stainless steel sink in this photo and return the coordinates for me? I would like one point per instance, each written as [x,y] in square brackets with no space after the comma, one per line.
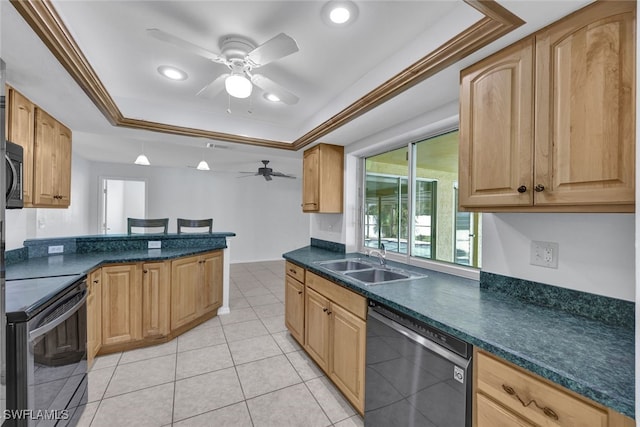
[376,275]
[345,265]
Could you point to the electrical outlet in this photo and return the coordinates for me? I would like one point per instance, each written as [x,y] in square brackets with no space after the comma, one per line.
[544,254]
[56,249]
[154,244]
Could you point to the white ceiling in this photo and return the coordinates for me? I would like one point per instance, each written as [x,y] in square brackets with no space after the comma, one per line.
[333,68]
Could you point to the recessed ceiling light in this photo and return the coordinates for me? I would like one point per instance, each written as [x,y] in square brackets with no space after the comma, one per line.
[271,97]
[339,13]
[172,73]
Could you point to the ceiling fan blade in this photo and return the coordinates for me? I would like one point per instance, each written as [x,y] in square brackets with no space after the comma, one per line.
[282,175]
[269,86]
[183,44]
[213,88]
[267,177]
[278,47]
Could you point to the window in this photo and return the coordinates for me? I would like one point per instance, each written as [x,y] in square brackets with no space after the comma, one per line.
[419,181]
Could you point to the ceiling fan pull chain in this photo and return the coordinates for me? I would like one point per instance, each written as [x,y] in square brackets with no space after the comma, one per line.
[228,103]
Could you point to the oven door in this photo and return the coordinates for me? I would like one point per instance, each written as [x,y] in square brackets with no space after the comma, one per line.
[58,348]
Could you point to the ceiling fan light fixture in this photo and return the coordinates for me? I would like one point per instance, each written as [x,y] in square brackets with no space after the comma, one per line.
[339,13]
[271,97]
[203,166]
[142,160]
[172,73]
[238,86]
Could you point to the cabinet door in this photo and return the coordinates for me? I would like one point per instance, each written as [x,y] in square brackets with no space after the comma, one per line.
[156,294]
[185,283]
[94,315]
[44,157]
[317,328]
[21,130]
[311,180]
[490,414]
[496,140]
[585,107]
[121,304]
[347,361]
[62,166]
[294,308]
[211,282]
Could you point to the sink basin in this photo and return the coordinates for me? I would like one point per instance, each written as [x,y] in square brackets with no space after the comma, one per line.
[345,265]
[376,275]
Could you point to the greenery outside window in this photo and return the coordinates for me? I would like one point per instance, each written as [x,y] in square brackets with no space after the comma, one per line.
[419,181]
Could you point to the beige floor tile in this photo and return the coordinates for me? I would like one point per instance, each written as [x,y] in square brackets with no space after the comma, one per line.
[211,323]
[84,415]
[304,366]
[244,330]
[274,324]
[354,421]
[142,374]
[262,299]
[253,349]
[236,415]
[255,291]
[106,361]
[194,339]
[238,302]
[149,352]
[286,342]
[97,382]
[149,407]
[269,310]
[203,360]
[238,315]
[204,393]
[334,405]
[293,406]
[266,375]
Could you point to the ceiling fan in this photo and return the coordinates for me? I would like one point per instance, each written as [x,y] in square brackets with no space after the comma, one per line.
[241,56]
[268,173]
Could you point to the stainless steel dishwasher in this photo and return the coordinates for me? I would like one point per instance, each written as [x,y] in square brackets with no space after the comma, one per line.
[416,374]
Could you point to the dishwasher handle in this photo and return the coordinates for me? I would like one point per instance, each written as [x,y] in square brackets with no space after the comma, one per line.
[419,339]
[47,327]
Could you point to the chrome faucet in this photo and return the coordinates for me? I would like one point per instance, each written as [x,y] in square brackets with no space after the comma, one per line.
[382,255]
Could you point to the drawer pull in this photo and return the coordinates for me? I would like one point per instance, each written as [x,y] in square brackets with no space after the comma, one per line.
[299,292]
[547,411]
[291,270]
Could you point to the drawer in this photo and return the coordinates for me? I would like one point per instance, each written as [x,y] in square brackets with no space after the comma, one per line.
[536,400]
[294,271]
[490,414]
[356,304]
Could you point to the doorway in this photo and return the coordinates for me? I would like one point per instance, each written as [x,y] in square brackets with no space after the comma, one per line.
[121,198]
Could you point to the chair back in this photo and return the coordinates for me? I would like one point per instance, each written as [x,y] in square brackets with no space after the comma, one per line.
[148,223]
[195,223]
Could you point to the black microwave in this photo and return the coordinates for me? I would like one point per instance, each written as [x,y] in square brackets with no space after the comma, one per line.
[13,157]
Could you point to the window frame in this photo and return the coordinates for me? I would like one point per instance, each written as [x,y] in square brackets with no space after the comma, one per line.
[431,264]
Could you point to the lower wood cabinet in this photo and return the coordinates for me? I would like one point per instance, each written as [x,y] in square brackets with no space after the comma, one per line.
[507,395]
[94,315]
[156,295]
[294,308]
[121,304]
[335,334]
[196,287]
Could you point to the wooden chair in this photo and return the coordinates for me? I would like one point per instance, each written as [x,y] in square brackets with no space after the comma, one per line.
[195,223]
[148,223]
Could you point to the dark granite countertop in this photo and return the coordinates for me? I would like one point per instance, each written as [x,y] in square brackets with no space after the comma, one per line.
[589,357]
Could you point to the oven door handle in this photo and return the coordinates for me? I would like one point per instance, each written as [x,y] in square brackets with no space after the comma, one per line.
[14,175]
[58,320]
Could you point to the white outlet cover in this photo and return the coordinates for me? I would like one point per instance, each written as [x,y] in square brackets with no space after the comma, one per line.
[544,254]
[154,244]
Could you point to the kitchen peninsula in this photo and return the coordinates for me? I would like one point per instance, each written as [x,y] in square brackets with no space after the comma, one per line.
[142,289]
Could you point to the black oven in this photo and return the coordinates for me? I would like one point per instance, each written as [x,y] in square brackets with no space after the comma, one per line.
[47,369]
[13,159]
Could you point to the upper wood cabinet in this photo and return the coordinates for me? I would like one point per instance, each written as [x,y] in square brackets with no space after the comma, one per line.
[52,162]
[322,179]
[548,124]
[21,131]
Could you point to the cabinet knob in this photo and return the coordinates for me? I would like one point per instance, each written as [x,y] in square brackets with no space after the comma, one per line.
[95,281]
[145,271]
[539,188]
[299,292]
[328,313]
[522,189]
[325,309]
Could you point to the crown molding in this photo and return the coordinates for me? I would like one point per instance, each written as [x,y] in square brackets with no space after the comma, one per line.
[47,24]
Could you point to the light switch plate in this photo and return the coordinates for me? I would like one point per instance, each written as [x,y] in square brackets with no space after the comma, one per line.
[544,254]
[154,244]
[58,249]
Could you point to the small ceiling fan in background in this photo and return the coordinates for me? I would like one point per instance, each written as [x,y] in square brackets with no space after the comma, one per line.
[267,172]
[241,56]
